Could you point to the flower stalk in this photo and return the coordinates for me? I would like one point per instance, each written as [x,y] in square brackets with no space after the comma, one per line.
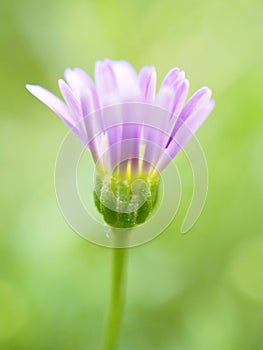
[117,298]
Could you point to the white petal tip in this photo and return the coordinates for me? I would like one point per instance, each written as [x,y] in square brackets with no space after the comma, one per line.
[207,90]
[29,87]
[61,82]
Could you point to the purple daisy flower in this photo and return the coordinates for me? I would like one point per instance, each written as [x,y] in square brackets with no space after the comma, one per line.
[132,131]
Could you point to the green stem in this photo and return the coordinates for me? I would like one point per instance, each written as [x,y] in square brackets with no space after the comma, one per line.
[116,299]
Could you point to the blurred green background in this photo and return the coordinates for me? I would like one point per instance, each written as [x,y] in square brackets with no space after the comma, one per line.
[202,290]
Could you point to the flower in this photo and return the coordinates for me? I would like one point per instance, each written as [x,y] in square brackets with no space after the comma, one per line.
[132,131]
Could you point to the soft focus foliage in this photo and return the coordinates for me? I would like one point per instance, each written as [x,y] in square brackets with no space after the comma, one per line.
[202,290]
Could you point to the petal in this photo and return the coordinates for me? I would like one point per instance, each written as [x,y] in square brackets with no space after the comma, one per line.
[126,79]
[86,103]
[171,77]
[71,100]
[85,91]
[194,113]
[164,98]
[171,97]
[92,119]
[106,83]
[194,106]
[189,127]
[147,83]
[197,120]
[52,101]
[74,107]
[77,79]
[199,97]
[180,93]
[57,106]
[82,84]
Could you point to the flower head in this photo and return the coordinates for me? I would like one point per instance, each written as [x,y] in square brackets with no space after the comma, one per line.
[132,131]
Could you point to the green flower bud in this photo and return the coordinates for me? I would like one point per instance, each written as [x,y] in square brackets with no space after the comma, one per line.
[126,197]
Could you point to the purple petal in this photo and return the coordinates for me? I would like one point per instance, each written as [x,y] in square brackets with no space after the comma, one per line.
[77,79]
[171,77]
[147,83]
[82,84]
[180,93]
[171,97]
[52,101]
[199,97]
[106,83]
[87,101]
[127,80]
[197,119]
[164,99]
[189,127]
[71,100]
[57,106]
[194,106]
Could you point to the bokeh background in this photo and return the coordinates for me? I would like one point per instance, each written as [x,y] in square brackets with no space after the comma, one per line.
[202,290]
